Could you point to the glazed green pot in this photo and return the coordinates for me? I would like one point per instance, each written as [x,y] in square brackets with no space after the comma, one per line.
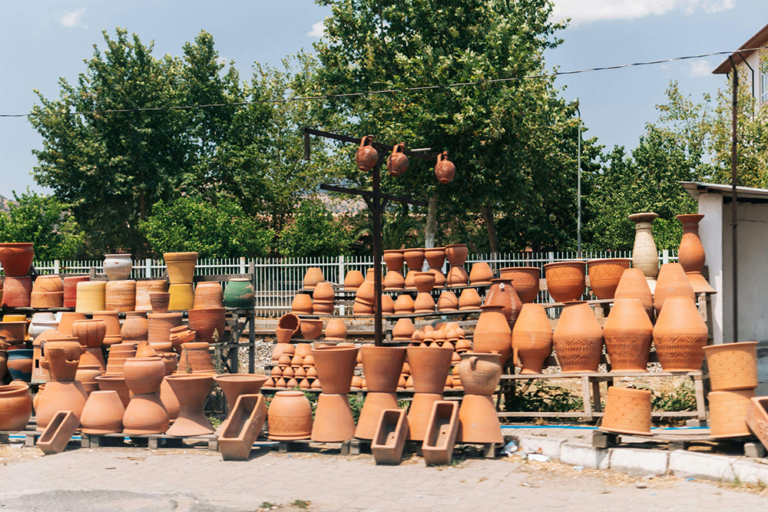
[239,294]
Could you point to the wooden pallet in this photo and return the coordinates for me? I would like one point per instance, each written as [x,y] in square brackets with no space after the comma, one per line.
[677,441]
[153,441]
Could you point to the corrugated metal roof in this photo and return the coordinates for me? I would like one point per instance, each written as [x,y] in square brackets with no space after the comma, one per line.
[744,193]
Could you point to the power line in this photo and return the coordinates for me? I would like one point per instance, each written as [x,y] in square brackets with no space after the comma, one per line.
[385,91]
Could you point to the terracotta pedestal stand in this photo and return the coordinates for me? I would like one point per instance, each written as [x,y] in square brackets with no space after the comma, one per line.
[333,417]
[191,391]
[145,413]
[381,366]
[429,369]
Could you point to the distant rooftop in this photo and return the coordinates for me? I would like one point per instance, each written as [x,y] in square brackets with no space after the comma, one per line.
[756,41]
[746,194]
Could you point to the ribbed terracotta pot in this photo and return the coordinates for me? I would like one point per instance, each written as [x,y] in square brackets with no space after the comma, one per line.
[239,294]
[15,406]
[16,258]
[289,416]
[180,266]
[48,283]
[17,292]
[532,338]
[502,293]
[353,279]
[70,289]
[634,285]
[525,281]
[207,321]
[103,413]
[313,276]
[481,273]
[578,339]
[91,296]
[672,282]
[429,368]
[160,325]
[691,253]
[728,413]
[335,368]
[732,365]
[605,274]
[335,330]
[144,288]
[566,280]
[627,411]
[628,333]
[492,333]
[680,335]
[645,255]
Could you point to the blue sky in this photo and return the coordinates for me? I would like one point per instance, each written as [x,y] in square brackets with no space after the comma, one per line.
[46,39]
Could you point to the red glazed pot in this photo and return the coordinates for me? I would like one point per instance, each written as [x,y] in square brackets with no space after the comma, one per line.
[578,339]
[525,281]
[566,280]
[604,275]
[16,258]
[444,169]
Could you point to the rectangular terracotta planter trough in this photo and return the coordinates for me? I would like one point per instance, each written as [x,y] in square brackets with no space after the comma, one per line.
[757,418]
[391,433]
[442,428]
[243,427]
[59,431]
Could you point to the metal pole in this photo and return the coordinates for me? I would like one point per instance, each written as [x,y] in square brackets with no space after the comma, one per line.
[734,210]
[378,334]
[578,221]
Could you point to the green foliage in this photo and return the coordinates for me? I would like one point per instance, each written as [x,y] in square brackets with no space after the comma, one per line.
[543,397]
[397,232]
[213,230]
[314,232]
[682,398]
[46,222]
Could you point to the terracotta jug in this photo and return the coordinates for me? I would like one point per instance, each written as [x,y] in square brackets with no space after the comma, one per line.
[691,253]
[502,293]
[353,280]
[732,365]
[672,282]
[566,280]
[532,339]
[605,274]
[444,170]
[15,406]
[397,162]
[578,338]
[645,255]
[680,335]
[492,333]
[289,416]
[628,333]
[633,285]
[525,281]
[335,368]
[366,156]
[480,373]
[16,258]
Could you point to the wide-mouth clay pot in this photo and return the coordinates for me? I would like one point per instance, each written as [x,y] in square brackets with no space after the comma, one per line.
[289,322]
[394,260]
[16,258]
[382,366]
[605,274]
[180,266]
[312,277]
[90,332]
[311,329]
[117,384]
[456,254]
[15,406]
[424,281]
[429,368]
[143,375]
[19,364]
[289,416]
[566,280]
[627,411]
[525,281]
[435,257]
[103,413]
[335,367]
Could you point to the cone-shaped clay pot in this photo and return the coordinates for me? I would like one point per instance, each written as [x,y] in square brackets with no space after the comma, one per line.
[429,368]
[191,391]
[502,293]
[404,304]
[680,336]
[492,333]
[481,274]
[627,411]
[335,368]
[435,257]
[117,384]
[578,339]
[691,254]
[16,258]
[672,282]
[15,406]
[525,281]
[353,280]
[333,421]
[60,396]
[628,333]
[335,330]
[469,300]
[103,413]
[645,255]
[532,338]
[181,266]
[732,365]
[566,280]
[633,285]
[604,275]
[728,413]
[289,416]
[374,404]
[236,384]
[456,254]
[302,304]
[381,366]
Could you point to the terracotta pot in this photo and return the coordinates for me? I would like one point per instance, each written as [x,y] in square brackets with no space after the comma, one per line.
[103,413]
[691,253]
[680,336]
[448,302]
[381,366]
[289,416]
[70,289]
[191,391]
[15,406]
[181,297]
[13,332]
[627,411]
[414,258]
[604,275]
[457,276]
[239,294]
[479,373]
[578,339]
[403,330]
[492,333]
[144,288]
[444,169]
[645,255]
[60,396]
[394,260]
[375,404]
[469,299]
[90,332]
[424,281]
[19,364]
[439,277]
[17,292]
[170,360]
[145,415]
[532,338]
[429,368]
[424,303]
[66,321]
[195,358]
[180,266]
[139,314]
[366,155]
[48,283]
[61,358]
[324,292]
[143,375]
[566,280]
[45,300]
[91,296]
[480,274]
[302,304]
[137,328]
[159,301]
[290,322]
[234,385]
[335,330]
[87,374]
[117,384]
[404,304]
[633,285]
[313,276]
[732,365]
[117,266]
[207,321]
[335,367]
[757,418]
[672,282]
[16,258]
[397,162]
[435,257]
[502,293]
[525,281]
[333,421]
[111,321]
[628,333]
[353,280]
[366,294]
[160,325]
[394,281]
[311,329]
[728,413]
[456,254]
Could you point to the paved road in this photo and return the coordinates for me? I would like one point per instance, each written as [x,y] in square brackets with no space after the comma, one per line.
[171,480]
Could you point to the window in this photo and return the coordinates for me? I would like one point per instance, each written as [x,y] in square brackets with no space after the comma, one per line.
[763,86]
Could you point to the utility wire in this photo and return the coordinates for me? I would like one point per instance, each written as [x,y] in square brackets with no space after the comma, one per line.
[386,91]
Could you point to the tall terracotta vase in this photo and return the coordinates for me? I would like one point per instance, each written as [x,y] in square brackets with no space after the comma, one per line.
[691,253]
[532,338]
[479,421]
[566,280]
[645,255]
[633,285]
[578,339]
[628,333]
[525,280]
[672,282]
[492,333]
[381,366]
[502,293]
[604,275]
[680,336]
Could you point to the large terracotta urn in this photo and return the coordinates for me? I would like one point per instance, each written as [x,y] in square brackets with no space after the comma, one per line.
[633,285]
[578,338]
[691,253]
[605,274]
[672,282]
[208,321]
[525,281]
[15,406]
[645,255]
[191,391]
[502,293]
[628,333]
[566,280]
[680,336]
[16,258]
[180,266]
[289,416]
[117,266]
[381,366]
[492,333]
[532,339]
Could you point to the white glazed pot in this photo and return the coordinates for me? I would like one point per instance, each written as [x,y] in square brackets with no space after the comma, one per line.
[118,266]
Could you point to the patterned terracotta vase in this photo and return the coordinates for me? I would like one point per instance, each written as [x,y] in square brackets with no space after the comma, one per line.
[566,280]
[680,336]
[633,285]
[604,275]
[627,411]
[532,338]
[728,413]
[578,339]
[289,416]
[628,333]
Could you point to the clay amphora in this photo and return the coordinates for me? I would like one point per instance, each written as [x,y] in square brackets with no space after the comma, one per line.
[578,339]
[481,273]
[633,285]
[492,333]
[180,266]
[195,358]
[313,276]
[414,258]
[335,368]
[289,416]
[159,301]
[628,333]
[381,366]
[91,296]
[335,330]
[645,255]
[732,365]
[353,280]
[120,295]
[502,293]
[429,368]
[566,280]
[404,304]
[397,162]
[311,329]
[525,281]
[444,169]
[604,275]
[206,322]
[691,253]
[15,406]
[366,156]
[60,396]
[456,254]
[208,295]
[191,391]
[144,288]
[479,373]
[680,335]
[532,339]
[672,282]
[70,289]
[103,413]
[117,266]
[16,258]
[728,412]
[302,304]
[627,411]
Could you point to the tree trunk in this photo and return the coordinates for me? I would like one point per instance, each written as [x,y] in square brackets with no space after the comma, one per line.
[487,214]
[431,228]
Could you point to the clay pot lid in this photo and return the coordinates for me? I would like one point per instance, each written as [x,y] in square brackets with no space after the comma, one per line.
[289,393]
[642,217]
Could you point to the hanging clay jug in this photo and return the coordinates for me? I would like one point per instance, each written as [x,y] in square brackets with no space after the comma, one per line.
[672,282]
[578,338]
[117,266]
[15,406]
[566,280]
[16,258]
[680,336]
[366,156]
[532,339]
[469,300]
[633,285]
[691,253]
[604,275]
[492,333]
[444,170]
[502,293]
[645,255]
[353,280]
[628,333]
[397,162]
[525,281]
[180,266]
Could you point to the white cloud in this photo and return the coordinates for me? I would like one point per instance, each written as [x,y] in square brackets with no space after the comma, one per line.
[318,29]
[701,68]
[73,19]
[584,11]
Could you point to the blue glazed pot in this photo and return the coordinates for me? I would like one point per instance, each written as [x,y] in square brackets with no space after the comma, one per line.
[20,364]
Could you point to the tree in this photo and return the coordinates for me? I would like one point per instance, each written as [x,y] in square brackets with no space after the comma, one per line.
[314,232]
[44,221]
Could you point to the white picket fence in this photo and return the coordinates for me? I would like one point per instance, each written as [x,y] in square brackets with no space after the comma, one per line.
[278,279]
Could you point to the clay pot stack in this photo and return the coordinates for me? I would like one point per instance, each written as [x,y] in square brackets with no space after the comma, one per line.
[145,413]
[70,289]
[323,299]
[414,258]
[16,259]
[333,417]
[733,377]
[424,282]
[47,292]
[62,392]
[429,371]
[144,288]
[394,280]
[365,296]
[382,366]
[91,334]
[436,259]
[181,270]
[479,375]
[457,256]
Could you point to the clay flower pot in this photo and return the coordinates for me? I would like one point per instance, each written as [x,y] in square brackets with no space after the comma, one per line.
[394,260]
[353,280]
[503,294]
[424,281]
[19,364]
[429,368]
[16,258]
[469,299]
[48,284]
[394,281]
[448,302]
[335,368]
[195,358]
[143,375]
[457,276]
[323,292]
[525,281]
[728,413]
[566,280]
[578,339]
[103,413]
[532,338]
[403,330]
[480,274]
[381,366]
[135,328]
[111,321]
[302,304]
[732,365]
[239,294]
[145,415]
[492,333]
[117,384]
[90,332]
[366,156]
[414,258]
[208,295]
[60,396]
[633,285]
[235,384]
[180,266]
[645,255]
[435,257]
[43,300]
[144,288]
[691,253]
[313,276]
[159,326]
[627,411]
[628,333]
[206,322]
[456,254]
[335,330]
[117,266]
[444,169]
[366,293]
[479,373]
[404,304]
[91,296]
[672,282]
[66,321]
[70,289]
[289,416]
[424,303]
[17,292]
[680,336]
[191,391]
[397,162]
[290,322]
[15,406]
[159,301]
[13,332]
[181,297]
[311,329]
[604,275]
